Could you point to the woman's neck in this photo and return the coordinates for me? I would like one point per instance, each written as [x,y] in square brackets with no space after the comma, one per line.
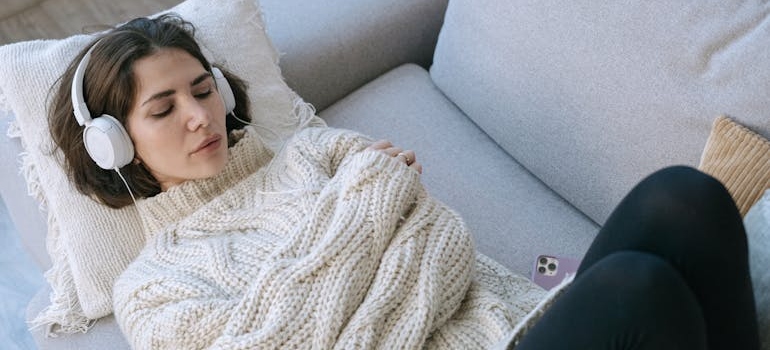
[178,202]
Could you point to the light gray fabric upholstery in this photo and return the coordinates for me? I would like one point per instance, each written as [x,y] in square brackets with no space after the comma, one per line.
[591,96]
[105,334]
[24,210]
[512,215]
[332,47]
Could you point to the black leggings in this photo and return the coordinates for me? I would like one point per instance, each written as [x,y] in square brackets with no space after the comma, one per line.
[668,270]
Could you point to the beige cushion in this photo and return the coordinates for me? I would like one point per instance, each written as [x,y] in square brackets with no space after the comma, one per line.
[740,159]
[757,223]
[91,244]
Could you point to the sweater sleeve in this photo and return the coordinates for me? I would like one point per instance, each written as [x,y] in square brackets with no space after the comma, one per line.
[313,285]
[319,152]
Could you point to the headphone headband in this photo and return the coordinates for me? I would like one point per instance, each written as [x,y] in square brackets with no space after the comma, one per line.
[79,107]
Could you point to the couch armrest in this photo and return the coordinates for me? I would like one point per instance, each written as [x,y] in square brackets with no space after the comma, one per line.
[331,47]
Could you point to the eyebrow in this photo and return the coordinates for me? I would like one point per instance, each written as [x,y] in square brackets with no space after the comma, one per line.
[166,93]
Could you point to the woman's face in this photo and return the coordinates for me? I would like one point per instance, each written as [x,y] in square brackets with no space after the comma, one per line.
[177,121]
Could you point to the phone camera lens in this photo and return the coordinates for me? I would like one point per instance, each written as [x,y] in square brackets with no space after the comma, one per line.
[543,261]
[552,266]
[541,269]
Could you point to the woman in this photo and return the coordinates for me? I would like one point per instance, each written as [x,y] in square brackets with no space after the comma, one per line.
[333,242]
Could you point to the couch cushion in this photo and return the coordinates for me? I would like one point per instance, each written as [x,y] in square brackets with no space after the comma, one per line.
[512,215]
[591,96]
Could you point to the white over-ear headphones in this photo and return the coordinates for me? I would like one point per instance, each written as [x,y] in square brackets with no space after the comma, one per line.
[105,139]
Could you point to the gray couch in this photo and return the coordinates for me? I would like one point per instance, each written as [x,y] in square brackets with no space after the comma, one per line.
[532,118]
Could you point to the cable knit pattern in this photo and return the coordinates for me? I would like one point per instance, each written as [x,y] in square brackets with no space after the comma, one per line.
[326,245]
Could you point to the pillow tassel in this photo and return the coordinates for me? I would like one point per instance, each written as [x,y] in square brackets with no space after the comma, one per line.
[64,314]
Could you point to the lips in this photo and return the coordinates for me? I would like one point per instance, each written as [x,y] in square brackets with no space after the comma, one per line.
[209,143]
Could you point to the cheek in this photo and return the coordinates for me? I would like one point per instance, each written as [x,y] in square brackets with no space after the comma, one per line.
[217,109]
[149,140]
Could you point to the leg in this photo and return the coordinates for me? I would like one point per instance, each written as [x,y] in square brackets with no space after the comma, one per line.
[627,300]
[688,219]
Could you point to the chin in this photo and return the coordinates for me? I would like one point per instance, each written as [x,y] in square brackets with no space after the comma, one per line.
[216,166]
[210,166]
[206,174]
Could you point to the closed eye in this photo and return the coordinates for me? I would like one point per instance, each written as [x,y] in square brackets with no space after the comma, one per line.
[203,95]
[164,113]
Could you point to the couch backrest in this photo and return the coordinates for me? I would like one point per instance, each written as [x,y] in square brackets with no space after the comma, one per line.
[591,96]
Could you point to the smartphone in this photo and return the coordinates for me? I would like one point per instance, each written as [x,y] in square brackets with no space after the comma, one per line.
[550,270]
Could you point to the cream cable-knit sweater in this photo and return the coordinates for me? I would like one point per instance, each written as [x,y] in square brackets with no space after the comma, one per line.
[327,245]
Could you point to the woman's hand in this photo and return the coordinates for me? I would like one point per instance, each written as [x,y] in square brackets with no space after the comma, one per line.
[407,156]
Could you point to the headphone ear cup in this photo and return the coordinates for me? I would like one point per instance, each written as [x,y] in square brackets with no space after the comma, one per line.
[224,89]
[107,142]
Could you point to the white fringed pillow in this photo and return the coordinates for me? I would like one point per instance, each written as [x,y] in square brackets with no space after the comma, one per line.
[757,223]
[91,244]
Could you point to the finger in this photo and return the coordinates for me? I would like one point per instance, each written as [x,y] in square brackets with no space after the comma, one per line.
[393,151]
[380,145]
[411,157]
[416,166]
[408,156]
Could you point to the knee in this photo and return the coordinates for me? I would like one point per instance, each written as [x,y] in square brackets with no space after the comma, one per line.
[688,196]
[687,185]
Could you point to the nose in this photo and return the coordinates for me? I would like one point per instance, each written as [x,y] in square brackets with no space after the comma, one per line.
[196,115]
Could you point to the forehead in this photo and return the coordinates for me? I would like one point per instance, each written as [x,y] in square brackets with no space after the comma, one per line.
[165,69]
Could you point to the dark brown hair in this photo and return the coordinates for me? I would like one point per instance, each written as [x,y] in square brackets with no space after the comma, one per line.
[109,87]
